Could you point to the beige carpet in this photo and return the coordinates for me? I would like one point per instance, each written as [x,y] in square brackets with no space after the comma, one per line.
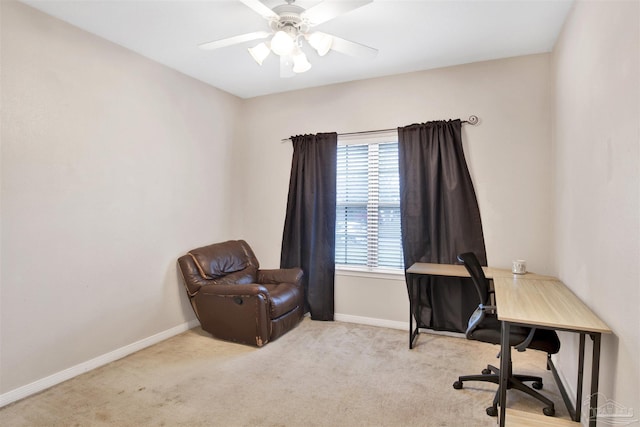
[319,374]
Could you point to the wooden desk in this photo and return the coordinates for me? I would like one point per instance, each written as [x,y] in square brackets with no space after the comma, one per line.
[546,303]
[428,269]
[549,304]
[459,270]
[454,270]
[532,300]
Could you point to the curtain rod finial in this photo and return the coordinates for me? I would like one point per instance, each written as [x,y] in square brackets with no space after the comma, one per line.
[473,120]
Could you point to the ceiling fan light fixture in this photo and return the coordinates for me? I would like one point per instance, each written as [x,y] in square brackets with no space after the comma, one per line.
[282,43]
[321,42]
[259,52]
[289,24]
[300,63]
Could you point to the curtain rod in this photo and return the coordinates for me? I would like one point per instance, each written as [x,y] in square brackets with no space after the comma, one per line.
[472,120]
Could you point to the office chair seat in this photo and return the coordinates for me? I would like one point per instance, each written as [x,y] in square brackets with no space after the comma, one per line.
[489,331]
[484,326]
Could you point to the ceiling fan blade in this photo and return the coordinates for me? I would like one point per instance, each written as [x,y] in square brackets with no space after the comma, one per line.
[329,9]
[352,48]
[261,9]
[286,66]
[217,44]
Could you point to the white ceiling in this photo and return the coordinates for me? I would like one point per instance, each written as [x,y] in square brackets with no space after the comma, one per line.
[411,35]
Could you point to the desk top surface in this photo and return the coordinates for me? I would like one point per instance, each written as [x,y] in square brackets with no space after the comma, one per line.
[530,298]
[544,302]
[459,270]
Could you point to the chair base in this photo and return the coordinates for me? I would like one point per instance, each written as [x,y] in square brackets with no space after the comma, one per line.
[492,375]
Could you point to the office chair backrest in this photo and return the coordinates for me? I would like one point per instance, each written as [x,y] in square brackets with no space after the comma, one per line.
[474,268]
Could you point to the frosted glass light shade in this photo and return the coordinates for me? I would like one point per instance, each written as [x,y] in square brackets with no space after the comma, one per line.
[259,52]
[321,42]
[300,63]
[282,43]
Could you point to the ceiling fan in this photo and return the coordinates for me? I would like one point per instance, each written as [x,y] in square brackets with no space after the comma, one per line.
[290,24]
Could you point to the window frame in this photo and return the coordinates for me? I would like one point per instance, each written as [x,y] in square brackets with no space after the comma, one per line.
[362,270]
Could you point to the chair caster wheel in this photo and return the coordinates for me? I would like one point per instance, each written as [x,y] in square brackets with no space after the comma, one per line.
[549,411]
[457,385]
[492,411]
[486,371]
[537,385]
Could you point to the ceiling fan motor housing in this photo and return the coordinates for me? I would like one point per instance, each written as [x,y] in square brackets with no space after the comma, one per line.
[290,20]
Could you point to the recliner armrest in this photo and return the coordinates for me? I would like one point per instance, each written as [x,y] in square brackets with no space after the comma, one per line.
[281,275]
[252,289]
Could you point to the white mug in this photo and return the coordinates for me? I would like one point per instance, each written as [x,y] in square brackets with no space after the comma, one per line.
[519,266]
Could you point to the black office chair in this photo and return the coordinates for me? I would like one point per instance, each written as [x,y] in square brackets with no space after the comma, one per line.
[484,326]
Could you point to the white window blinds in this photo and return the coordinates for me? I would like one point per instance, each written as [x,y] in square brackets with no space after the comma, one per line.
[368,206]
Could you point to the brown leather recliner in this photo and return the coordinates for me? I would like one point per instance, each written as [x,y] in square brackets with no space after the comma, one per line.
[237,301]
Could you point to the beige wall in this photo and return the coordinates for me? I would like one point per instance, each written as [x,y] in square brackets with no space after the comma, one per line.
[112,166]
[508,153]
[597,185]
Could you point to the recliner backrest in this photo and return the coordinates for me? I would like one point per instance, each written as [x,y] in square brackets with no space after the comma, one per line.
[474,268]
[222,259]
[226,263]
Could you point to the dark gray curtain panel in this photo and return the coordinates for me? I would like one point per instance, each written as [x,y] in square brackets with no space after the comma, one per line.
[309,235]
[440,219]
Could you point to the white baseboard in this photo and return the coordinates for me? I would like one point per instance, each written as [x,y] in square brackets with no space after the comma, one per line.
[371,321]
[392,324]
[67,374]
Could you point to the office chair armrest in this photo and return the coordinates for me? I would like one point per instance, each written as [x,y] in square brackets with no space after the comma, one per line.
[477,317]
[524,344]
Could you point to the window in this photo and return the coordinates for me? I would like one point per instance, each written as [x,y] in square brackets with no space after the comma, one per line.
[368,203]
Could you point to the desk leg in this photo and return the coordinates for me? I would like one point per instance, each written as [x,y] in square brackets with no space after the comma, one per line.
[595,375]
[578,411]
[505,361]
[414,294]
[411,286]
